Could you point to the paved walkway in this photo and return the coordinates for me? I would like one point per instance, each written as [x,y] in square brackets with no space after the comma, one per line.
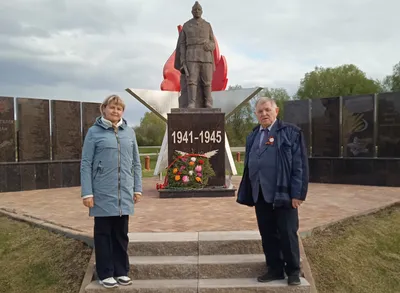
[325,203]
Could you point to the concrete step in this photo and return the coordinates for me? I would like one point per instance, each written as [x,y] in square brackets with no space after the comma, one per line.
[194,243]
[163,267]
[230,242]
[163,243]
[242,285]
[149,286]
[192,267]
[247,285]
[231,266]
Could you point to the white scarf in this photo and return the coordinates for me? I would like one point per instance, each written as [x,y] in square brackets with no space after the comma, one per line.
[109,123]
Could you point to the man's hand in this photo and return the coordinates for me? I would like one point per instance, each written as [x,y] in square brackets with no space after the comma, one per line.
[136,197]
[88,202]
[296,203]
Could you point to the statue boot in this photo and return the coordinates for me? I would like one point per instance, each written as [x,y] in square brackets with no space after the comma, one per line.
[208,100]
[192,90]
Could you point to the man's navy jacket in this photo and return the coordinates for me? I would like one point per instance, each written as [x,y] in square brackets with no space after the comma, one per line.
[292,166]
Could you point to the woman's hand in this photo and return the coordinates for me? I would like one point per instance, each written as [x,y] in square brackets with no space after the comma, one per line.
[88,202]
[136,197]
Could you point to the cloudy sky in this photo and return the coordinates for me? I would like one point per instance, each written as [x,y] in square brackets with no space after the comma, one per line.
[87,49]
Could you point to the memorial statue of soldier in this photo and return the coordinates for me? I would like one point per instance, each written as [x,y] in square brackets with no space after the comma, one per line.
[194,58]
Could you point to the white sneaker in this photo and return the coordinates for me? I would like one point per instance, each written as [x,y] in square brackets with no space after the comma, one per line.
[109,283]
[124,280]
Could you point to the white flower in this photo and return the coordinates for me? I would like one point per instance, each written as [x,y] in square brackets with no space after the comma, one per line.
[190,172]
[193,159]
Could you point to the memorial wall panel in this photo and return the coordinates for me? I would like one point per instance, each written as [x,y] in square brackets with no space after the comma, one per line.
[71,174]
[325,125]
[89,113]
[358,126]
[388,138]
[359,171]
[42,175]
[7,130]
[320,170]
[33,129]
[13,177]
[55,175]
[28,181]
[66,130]
[392,172]
[298,113]
[3,179]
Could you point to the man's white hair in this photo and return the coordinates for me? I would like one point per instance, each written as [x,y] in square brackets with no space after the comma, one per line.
[263,100]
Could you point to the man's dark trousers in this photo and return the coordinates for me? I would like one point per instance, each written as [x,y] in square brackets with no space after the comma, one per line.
[278,228]
[111,244]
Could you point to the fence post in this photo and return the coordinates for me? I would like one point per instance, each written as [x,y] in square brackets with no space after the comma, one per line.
[147,163]
[238,157]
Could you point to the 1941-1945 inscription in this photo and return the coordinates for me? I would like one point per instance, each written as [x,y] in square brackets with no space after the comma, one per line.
[204,136]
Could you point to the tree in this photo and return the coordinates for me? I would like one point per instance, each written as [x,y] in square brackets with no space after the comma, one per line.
[280,95]
[344,80]
[240,123]
[151,130]
[391,83]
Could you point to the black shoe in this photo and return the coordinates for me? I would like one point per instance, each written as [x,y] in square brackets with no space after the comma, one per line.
[268,277]
[294,280]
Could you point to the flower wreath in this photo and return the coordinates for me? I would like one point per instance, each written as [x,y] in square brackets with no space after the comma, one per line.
[187,171]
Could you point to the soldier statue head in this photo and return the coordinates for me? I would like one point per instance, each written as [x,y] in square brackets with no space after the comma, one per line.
[197,10]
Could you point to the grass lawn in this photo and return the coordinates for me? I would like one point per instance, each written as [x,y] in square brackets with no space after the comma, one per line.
[361,255]
[36,260]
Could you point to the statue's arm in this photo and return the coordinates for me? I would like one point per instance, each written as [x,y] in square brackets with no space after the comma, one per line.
[210,44]
[182,47]
[211,40]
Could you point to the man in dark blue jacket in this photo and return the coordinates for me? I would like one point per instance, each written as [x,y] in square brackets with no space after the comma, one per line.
[275,181]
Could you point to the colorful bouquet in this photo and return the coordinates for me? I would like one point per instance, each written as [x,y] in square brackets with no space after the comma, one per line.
[188,171]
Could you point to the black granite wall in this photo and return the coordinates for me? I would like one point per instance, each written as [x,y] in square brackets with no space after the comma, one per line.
[41,148]
[351,140]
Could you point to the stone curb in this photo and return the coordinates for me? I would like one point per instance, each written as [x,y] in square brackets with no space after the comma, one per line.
[68,232]
[352,217]
[307,268]
[87,279]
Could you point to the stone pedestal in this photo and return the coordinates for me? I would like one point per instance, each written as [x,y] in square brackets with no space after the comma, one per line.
[199,131]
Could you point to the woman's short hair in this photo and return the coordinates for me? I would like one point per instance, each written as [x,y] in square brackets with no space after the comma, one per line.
[112,99]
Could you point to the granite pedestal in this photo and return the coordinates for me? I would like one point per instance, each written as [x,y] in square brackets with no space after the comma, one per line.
[199,131]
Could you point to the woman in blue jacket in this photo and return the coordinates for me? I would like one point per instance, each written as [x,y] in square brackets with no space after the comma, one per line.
[111,182]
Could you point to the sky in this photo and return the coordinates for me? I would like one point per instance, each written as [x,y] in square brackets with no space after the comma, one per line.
[86,50]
